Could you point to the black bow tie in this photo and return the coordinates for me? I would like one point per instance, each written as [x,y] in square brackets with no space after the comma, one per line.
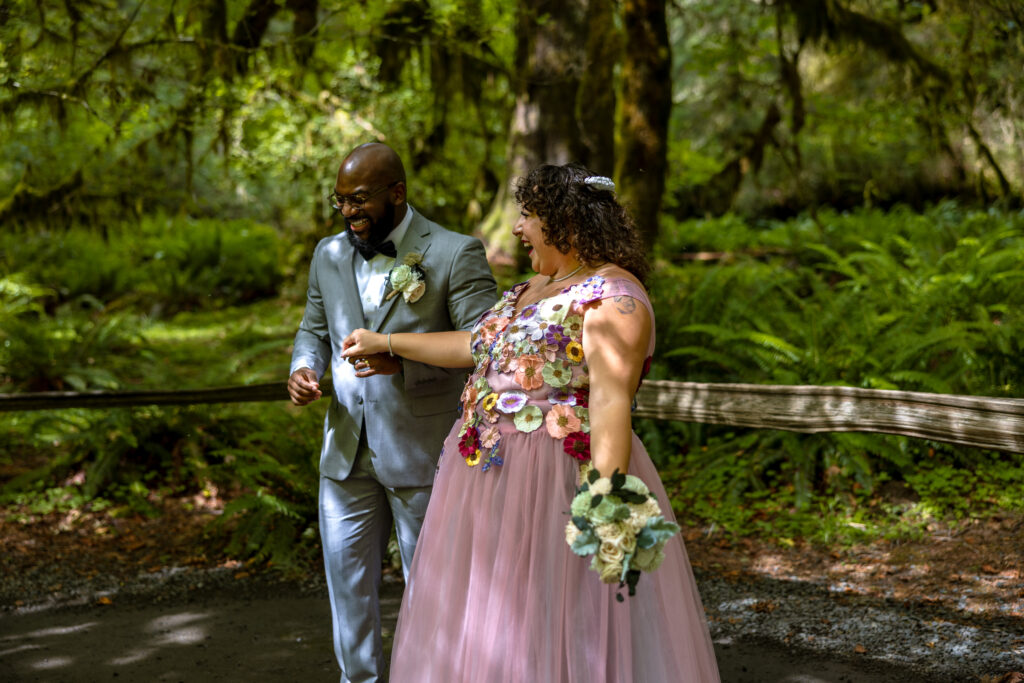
[368,251]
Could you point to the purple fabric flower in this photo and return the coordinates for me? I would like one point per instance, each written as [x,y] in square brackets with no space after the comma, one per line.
[591,289]
[528,313]
[512,402]
[563,396]
[555,336]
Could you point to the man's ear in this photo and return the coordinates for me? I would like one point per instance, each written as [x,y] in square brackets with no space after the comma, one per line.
[398,194]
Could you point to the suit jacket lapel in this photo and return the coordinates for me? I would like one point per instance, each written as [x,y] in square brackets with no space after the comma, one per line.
[416,240]
[343,259]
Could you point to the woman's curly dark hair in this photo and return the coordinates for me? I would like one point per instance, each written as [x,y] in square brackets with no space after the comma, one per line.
[579,215]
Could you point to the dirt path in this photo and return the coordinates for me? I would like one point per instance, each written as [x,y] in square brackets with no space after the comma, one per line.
[87,597]
[224,638]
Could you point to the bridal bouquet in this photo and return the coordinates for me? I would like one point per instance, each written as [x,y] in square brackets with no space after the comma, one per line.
[617,520]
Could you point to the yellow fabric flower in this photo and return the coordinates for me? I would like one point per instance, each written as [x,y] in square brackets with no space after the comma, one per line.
[490,400]
[574,351]
[474,459]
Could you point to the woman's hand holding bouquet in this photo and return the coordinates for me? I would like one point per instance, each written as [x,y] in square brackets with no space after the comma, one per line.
[618,521]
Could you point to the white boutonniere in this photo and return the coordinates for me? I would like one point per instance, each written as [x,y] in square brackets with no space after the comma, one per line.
[408,278]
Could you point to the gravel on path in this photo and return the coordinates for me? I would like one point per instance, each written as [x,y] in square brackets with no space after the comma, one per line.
[207,625]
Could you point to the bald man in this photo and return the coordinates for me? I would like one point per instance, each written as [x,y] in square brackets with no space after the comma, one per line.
[387,418]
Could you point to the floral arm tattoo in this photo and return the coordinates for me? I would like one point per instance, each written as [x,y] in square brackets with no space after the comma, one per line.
[626,305]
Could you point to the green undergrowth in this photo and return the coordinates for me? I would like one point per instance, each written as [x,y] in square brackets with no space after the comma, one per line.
[891,300]
[716,488]
[928,302]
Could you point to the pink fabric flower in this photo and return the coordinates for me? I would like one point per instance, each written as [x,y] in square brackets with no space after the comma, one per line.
[490,437]
[509,359]
[528,373]
[561,421]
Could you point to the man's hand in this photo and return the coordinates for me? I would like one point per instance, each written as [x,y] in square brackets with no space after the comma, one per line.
[303,387]
[376,364]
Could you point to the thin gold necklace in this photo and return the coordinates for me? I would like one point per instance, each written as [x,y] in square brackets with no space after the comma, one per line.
[565,277]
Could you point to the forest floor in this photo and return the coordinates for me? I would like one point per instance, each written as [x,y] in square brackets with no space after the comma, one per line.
[975,569]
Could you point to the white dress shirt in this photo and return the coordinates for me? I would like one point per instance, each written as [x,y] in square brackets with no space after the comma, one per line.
[372,275]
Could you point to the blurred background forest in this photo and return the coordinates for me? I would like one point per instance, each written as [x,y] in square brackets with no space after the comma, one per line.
[831,191]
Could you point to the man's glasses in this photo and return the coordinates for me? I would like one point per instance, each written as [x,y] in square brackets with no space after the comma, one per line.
[356,201]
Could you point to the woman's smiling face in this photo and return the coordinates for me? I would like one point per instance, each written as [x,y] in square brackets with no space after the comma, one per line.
[544,257]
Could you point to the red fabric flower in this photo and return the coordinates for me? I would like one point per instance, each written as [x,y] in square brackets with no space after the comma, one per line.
[582,397]
[577,445]
[469,443]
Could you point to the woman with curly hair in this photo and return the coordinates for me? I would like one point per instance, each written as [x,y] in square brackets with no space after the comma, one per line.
[496,593]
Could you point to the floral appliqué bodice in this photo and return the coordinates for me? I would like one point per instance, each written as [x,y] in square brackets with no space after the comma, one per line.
[530,371]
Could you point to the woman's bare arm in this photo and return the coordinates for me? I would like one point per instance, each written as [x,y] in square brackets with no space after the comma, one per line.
[443,349]
[616,334]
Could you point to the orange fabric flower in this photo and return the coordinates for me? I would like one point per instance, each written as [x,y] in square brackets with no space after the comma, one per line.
[492,328]
[469,403]
[561,421]
[528,373]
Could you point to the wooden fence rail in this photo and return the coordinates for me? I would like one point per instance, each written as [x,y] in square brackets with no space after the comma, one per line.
[996,423]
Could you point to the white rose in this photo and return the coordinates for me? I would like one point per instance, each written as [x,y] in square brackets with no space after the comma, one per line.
[649,508]
[637,520]
[571,533]
[609,573]
[611,553]
[618,535]
[414,295]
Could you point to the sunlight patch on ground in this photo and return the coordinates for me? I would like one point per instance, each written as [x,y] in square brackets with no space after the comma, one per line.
[61,630]
[267,318]
[175,621]
[133,657]
[771,565]
[53,663]
[172,629]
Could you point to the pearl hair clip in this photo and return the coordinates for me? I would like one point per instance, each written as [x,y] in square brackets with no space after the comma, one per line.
[600,182]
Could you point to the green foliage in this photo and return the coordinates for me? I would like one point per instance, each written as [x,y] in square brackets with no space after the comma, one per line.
[275,466]
[262,456]
[70,350]
[122,460]
[137,108]
[895,300]
[166,264]
[799,104]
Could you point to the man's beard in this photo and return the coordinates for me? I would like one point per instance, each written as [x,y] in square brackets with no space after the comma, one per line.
[379,229]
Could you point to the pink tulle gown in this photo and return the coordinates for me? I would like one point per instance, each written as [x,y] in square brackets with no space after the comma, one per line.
[495,593]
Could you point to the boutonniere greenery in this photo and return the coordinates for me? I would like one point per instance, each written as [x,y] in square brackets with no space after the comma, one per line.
[409,278]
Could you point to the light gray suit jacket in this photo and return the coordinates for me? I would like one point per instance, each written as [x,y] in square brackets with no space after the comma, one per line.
[408,414]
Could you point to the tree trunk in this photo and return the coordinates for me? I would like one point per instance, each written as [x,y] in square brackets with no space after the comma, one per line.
[646,104]
[595,100]
[544,129]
